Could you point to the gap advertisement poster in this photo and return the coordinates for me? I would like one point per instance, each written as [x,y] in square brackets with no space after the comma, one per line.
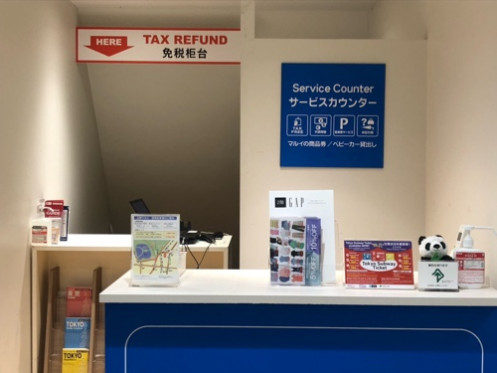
[310,203]
[332,115]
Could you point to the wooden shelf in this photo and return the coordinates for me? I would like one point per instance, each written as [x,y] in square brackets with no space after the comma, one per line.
[75,261]
[51,361]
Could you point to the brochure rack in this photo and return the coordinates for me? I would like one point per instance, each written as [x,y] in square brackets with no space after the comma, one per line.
[53,285]
[75,260]
[97,355]
[71,263]
[53,330]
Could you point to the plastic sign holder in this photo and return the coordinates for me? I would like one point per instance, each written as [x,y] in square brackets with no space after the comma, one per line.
[437,275]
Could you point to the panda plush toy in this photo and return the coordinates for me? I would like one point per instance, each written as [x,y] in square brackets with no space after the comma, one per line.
[433,248]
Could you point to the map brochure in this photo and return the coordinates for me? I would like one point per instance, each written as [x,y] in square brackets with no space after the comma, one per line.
[77,332]
[78,301]
[74,360]
[155,259]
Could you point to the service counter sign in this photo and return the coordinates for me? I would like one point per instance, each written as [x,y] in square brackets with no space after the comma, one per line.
[178,46]
[332,115]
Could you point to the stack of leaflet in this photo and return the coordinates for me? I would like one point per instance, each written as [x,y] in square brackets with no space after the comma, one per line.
[295,251]
[77,330]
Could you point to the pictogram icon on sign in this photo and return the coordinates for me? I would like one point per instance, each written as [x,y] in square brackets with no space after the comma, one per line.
[344,125]
[297,125]
[367,125]
[320,125]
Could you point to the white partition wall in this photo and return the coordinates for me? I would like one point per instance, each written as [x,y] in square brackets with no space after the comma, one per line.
[49,149]
[461,179]
[383,203]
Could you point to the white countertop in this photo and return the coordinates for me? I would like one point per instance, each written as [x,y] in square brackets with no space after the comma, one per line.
[120,242]
[90,242]
[253,287]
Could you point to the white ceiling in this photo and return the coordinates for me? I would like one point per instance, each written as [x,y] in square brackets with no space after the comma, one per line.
[307,4]
[198,13]
[163,7]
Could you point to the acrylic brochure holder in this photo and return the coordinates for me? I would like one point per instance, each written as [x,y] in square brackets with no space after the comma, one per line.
[156,258]
[306,204]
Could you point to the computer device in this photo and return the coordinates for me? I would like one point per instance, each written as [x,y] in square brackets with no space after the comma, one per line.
[139,206]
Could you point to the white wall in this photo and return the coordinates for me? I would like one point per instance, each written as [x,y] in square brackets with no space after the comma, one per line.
[393,19]
[461,151]
[305,20]
[49,149]
[383,203]
[461,127]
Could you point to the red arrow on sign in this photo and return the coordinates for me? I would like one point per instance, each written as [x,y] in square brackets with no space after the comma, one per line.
[109,45]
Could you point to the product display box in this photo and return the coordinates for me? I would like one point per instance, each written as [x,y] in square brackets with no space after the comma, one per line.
[379,264]
[438,275]
[78,301]
[155,259]
[74,360]
[295,251]
[77,332]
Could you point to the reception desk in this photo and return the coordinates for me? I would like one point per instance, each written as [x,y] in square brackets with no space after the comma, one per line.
[234,320]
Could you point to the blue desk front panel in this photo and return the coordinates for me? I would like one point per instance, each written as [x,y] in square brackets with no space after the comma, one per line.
[300,338]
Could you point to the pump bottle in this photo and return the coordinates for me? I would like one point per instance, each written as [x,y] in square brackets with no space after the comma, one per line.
[471,261]
[44,231]
[41,231]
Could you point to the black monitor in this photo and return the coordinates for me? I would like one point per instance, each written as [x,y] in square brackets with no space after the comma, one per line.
[139,206]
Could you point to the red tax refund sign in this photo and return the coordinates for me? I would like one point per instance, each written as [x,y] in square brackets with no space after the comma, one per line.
[167,46]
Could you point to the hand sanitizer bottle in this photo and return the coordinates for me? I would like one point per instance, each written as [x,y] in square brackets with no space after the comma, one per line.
[40,231]
[44,231]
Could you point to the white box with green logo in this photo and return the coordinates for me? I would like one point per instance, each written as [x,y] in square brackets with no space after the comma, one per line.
[437,275]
